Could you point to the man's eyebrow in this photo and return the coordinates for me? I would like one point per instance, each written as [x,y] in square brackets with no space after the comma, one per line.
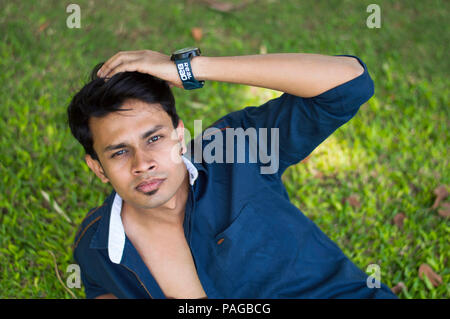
[113,147]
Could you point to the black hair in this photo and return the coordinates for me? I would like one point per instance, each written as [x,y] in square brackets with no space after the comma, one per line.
[99,98]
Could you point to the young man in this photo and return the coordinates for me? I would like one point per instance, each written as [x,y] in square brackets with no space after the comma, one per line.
[179,226]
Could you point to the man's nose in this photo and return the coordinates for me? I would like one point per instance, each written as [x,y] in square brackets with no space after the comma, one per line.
[143,162]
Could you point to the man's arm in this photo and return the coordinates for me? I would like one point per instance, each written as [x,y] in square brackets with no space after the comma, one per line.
[300,74]
[302,123]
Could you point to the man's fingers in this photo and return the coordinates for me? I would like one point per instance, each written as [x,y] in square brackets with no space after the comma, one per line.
[106,66]
[129,66]
[114,61]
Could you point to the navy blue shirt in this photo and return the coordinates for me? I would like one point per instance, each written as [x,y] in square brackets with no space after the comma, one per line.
[246,238]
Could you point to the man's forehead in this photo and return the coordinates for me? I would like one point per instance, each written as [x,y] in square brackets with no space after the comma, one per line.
[133,108]
[139,118]
[135,103]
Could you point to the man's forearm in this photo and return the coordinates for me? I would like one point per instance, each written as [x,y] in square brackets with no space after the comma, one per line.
[301,74]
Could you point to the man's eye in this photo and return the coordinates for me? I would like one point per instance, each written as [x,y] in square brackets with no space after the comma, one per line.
[153,140]
[117,153]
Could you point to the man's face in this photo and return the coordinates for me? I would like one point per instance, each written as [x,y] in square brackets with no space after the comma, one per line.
[129,153]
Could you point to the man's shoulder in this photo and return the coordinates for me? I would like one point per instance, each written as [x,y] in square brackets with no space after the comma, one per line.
[89,224]
[250,115]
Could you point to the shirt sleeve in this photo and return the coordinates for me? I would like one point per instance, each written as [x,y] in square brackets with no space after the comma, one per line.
[304,123]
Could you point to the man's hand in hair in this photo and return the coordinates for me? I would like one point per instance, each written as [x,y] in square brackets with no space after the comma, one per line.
[144,61]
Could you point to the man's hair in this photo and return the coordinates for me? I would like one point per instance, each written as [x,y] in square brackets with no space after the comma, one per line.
[98,98]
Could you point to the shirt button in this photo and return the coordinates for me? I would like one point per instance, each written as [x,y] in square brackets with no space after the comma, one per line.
[220,241]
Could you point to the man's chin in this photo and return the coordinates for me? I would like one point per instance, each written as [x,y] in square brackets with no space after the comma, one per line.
[144,203]
[149,193]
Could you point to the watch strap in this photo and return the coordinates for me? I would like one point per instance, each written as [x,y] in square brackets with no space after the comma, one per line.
[186,75]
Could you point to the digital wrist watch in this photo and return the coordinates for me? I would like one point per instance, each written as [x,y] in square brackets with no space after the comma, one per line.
[182,60]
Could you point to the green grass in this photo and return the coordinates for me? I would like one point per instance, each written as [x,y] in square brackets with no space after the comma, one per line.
[392,155]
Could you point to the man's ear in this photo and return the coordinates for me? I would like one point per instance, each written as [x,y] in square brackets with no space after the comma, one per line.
[96,167]
[180,135]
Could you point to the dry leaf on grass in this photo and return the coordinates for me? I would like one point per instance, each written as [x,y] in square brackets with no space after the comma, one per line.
[43,26]
[319,175]
[353,200]
[434,278]
[398,288]
[226,6]
[398,219]
[441,193]
[197,33]
[445,210]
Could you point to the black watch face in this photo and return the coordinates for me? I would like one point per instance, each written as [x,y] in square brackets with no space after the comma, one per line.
[184,50]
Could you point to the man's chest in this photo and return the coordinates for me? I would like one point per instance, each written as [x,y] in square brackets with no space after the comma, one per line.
[169,260]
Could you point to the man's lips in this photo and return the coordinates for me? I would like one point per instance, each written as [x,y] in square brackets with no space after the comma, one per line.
[150,185]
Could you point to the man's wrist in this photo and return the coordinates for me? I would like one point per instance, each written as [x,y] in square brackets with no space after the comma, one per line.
[199,67]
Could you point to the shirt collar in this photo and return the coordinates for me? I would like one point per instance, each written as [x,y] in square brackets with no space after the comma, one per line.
[110,233]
